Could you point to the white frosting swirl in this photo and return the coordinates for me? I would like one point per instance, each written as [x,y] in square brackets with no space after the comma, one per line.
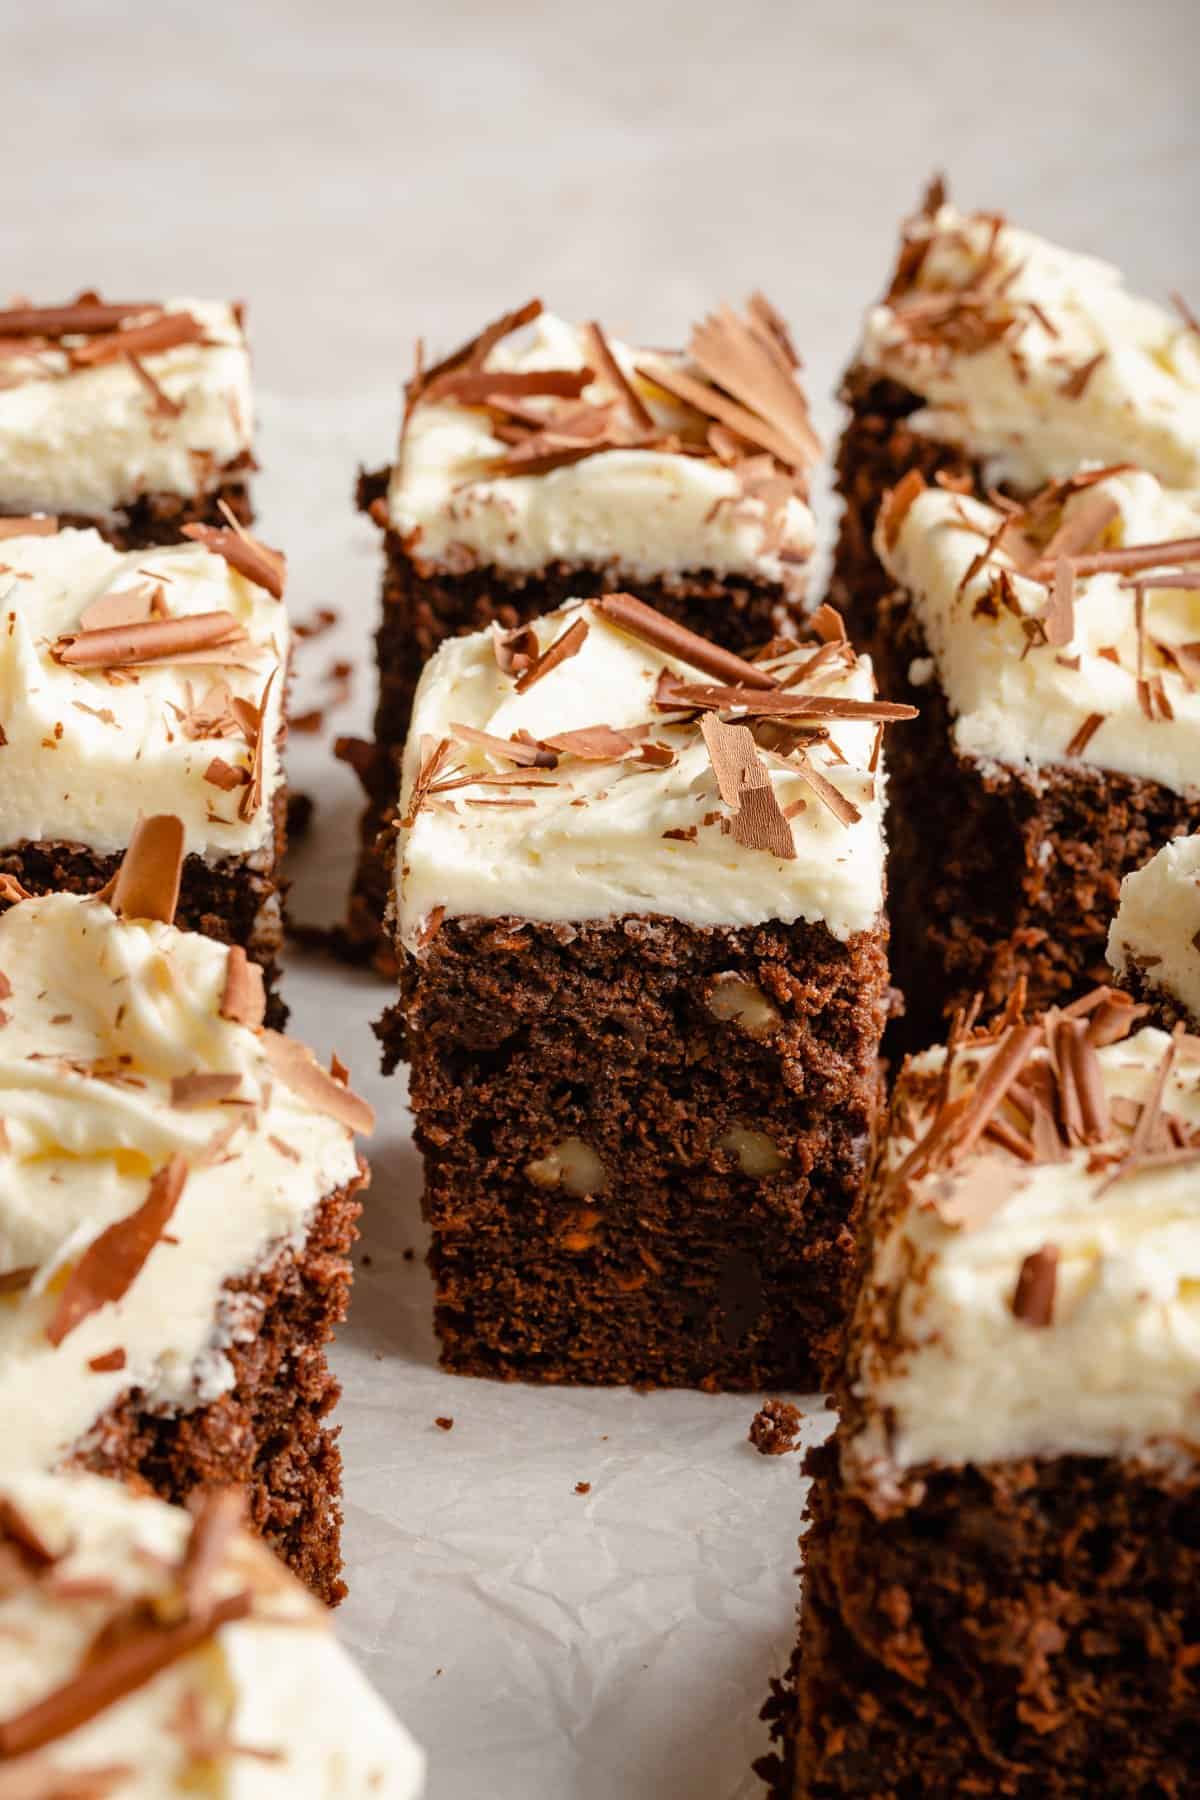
[90,440]
[646,513]
[1157,928]
[102,1015]
[269,1708]
[1010,403]
[1021,705]
[593,842]
[85,755]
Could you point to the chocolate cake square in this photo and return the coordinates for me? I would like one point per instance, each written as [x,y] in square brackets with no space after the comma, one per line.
[178,1195]
[643,981]
[1004,1549]
[1052,650]
[998,360]
[137,419]
[1154,941]
[560,463]
[137,681]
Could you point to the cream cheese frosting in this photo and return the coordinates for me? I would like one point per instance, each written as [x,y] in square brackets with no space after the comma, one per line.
[101,1016]
[1019,700]
[90,440]
[947,1370]
[1001,373]
[87,750]
[645,513]
[268,1706]
[597,840]
[1156,933]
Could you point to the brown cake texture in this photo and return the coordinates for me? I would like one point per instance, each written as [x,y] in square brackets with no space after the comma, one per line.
[620,1188]
[876,451]
[1033,1633]
[269,1434]
[1000,874]
[744,368]
[1019,1622]
[1163,1009]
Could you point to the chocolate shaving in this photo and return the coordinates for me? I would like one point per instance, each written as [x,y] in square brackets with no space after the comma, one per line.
[525,756]
[258,562]
[433,757]
[897,504]
[515,650]
[607,363]
[745,787]
[126,606]
[567,644]
[253,719]
[1082,528]
[1033,1299]
[969,1200]
[202,1089]
[843,810]
[1060,613]
[161,403]
[154,640]
[477,387]
[223,775]
[641,621]
[243,999]
[299,1070]
[147,883]
[592,743]
[1085,734]
[82,318]
[1074,387]
[714,405]
[677,695]
[17,1528]
[113,1671]
[753,366]
[216,1519]
[1183,309]
[475,351]
[167,332]
[1133,558]
[113,1260]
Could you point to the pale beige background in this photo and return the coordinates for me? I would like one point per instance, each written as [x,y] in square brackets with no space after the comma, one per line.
[363,173]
